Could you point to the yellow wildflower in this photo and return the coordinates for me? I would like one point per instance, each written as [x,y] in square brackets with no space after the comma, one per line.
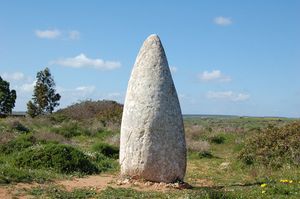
[263,191]
[284,181]
[263,185]
[291,181]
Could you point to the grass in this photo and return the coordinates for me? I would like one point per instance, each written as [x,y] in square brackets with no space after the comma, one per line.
[112,193]
[226,171]
[214,167]
[58,192]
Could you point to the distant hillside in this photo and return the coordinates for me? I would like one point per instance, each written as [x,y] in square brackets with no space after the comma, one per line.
[103,110]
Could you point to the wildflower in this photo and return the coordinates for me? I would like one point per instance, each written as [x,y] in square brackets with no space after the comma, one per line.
[284,181]
[263,191]
[263,185]
[291,181]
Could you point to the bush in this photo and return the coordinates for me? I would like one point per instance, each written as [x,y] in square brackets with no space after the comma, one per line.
[106,163]
[205,154]
[9,174]
[273,146]
[107,150]
[51,137]
[217,139]
[19,127]
[105,111]
[18,144]
[62,158]
[69,129]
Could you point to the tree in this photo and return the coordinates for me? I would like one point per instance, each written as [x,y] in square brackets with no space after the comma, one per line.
[7,98]
[44,98]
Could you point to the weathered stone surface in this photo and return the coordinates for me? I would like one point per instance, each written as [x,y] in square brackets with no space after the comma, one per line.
[152,143]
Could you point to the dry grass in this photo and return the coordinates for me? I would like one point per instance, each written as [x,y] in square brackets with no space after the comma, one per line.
[5,137]
[52,137]
[114,140]
[198,146]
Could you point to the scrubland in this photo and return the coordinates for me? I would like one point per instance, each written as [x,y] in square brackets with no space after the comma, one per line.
[228,156]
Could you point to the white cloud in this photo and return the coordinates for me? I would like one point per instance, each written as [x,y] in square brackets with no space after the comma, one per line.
[74,34]
[173,69]
[27,87]
[80,91]
[48,34]
[19,81]
[82,61]
[86,89]
[16,76]
[228,95]
[222,21]
[215,75]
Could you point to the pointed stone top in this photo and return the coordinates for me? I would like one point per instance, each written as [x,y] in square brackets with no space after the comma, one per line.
[153,38]
[151,54]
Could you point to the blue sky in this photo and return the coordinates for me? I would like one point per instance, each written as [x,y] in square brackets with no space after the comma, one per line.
[227,57]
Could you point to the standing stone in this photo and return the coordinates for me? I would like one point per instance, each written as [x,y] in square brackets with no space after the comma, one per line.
[152,134]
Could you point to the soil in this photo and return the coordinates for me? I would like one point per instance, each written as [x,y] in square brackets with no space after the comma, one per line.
[97,182]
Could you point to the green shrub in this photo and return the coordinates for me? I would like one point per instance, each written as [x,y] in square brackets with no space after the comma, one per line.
[19,127]
[217,139]
[70,129]
[105,163]
[107,150]
[205,154]
[18,144]
[62,158]
[274,146]
[9,173]
[58,118]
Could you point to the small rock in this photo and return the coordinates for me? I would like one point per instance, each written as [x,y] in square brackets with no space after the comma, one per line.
[136,183]
[224,165]
[126,181]
[148,183]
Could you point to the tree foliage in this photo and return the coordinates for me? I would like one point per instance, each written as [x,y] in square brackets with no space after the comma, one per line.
[45,98]
[7,98]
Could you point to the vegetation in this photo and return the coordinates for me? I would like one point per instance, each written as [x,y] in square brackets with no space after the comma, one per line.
[69,143]
[274,146]
[7,98]
[104,111]
[45,98]
[57,192]
[217,139]
[20,143]
[62,158]
[106,149]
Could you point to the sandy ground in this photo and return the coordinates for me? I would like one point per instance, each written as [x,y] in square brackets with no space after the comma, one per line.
[97,182]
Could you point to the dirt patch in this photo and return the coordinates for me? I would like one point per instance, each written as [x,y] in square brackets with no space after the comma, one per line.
[4,193]
[142,185]
[98,182]
[16,191]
